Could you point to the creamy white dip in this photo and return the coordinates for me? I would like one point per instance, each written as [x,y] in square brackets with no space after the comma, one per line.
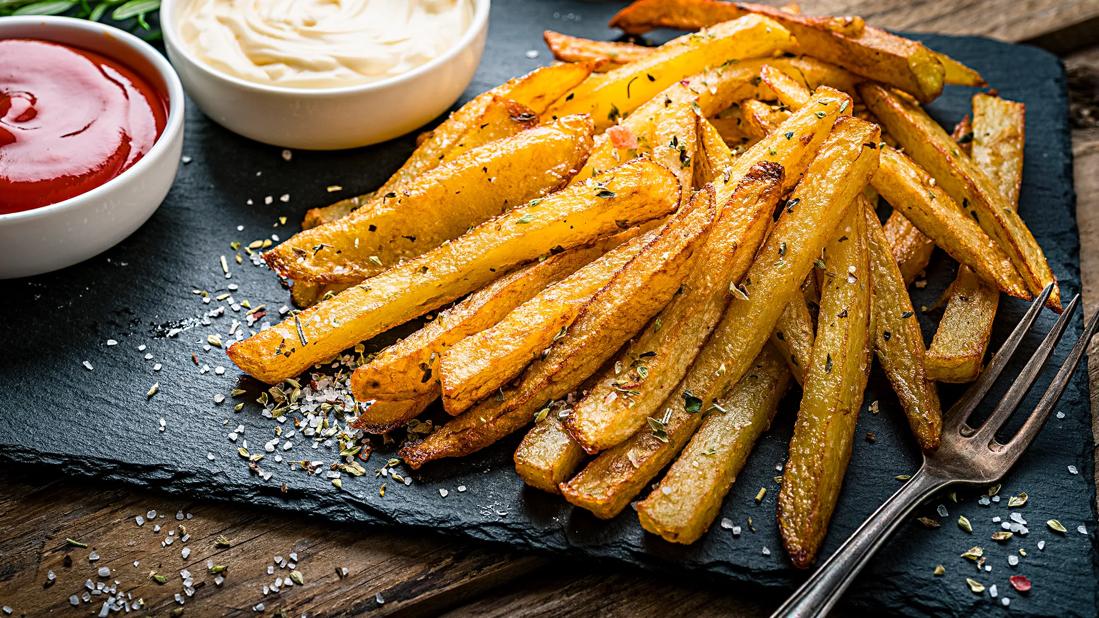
[321,43]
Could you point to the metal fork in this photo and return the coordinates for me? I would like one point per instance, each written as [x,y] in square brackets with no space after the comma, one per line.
[967,455]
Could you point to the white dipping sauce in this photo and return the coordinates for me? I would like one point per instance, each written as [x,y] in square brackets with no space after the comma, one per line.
[321,43]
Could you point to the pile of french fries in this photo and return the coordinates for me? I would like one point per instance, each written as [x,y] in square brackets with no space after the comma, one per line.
[633,253]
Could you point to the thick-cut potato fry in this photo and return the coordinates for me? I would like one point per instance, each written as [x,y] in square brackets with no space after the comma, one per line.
[910,189]
[788,90]
[547,455]
[958,74]
[603,55]
[304,294]
[813,73]
[687,500]
[810,218]
[958,348]
[897,338]
[647,370]
[631,194]
[485,361]
[930,146]
[825,429]
[477,185]
[714,154]
[474,124]
[407,372]
[871,52]
[615,94]
[613,315]
[793,336]
[912,248]
[728,124]
[760,118]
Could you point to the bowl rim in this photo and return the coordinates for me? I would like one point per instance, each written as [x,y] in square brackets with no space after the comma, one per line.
[173,126]
[168,26]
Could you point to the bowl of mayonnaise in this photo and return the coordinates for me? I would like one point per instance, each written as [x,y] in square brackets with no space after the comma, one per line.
[324,74]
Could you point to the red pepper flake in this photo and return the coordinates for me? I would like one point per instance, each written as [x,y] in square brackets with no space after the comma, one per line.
[194,359]
[622,138]
[1020,583]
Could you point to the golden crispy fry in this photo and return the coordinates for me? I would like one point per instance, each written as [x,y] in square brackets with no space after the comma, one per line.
[485,361]
[825,429]
[911,248]
[794,334]
[647,370]
[477,185]
[910,189]
[958,74]
[837,174]
[714,155]
[631,194]
[813,73]
[960,343]
[898,340]
[870,52]
[474,124]
[642,287]
[304,294]
[688,498]
[728,124]
[613,95]
[929,145]
[760,118]
[408,370]
[547,455]
[603,55]
[789,91]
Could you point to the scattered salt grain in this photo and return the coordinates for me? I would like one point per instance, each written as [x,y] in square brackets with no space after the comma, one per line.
[766,552]
[1082,529]
[379,599]
[941,510]
[1041,545]
[111,342]
[532,54]
[461,488]
[287,155]
[444,493]
[140,520]
[1013,560]
[104,571]
[1060,415]
[1073,470]
[87,365]
[185,552]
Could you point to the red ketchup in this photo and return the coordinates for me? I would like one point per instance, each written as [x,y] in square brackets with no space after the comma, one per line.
[70,120]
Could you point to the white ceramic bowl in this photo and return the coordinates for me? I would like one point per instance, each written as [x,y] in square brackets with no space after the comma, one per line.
[327,118]
[59,235]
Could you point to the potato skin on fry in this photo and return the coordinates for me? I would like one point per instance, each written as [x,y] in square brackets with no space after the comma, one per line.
[824,432]
[640,290]
[687,500]
[961,341]
[404,374]
[647,370]
[930,146]
[603,55]
[837,174]
[897,338]
[793,336]
[631,194]
[475,186]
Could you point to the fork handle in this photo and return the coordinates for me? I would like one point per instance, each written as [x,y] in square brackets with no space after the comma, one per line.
[819,593]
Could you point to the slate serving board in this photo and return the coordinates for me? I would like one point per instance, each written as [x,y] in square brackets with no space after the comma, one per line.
[98,423]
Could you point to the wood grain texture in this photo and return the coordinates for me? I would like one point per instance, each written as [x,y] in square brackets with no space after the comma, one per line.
[425,575]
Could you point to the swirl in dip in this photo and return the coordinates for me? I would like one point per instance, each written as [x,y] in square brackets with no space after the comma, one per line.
[70,120]
[321,43]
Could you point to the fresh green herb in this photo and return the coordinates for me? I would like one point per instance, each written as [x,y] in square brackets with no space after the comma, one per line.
[691,403]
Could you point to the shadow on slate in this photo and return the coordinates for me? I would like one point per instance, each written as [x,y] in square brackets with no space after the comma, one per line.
[99,424]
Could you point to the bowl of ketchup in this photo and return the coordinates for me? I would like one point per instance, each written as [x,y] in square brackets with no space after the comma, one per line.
[91,132]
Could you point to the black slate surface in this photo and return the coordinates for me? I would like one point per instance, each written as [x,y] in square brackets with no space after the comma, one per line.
[98,423]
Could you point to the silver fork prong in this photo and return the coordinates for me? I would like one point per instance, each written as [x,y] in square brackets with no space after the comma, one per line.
[1015,447]
[1010,401]
[960,411]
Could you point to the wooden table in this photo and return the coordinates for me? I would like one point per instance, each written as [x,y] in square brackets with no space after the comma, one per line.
[393,573]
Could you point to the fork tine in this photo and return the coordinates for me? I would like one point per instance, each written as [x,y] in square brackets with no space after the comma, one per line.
[961,410]
[1027,376]
[1056,388]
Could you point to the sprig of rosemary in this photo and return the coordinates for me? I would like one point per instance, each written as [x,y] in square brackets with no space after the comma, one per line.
[119,11]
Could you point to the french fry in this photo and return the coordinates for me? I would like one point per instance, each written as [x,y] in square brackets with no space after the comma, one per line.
[485,361]
[897,338]
[929,145]
[825,429]
[911,248]
[961,341]
[547,455]
[603,55]
[910,189]
[958,74]
[793,336]
[714,156]
[474,124]
[404,377]
[640,290]
[629,195]
[304,294]
[475,186]
[615,94]
[760,118]
[789,91]
[728,124]
[647,370]
[837,174]
[687,500]
[870,52]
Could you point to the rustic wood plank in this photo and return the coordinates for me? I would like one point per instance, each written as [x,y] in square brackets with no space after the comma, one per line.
[414,574]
